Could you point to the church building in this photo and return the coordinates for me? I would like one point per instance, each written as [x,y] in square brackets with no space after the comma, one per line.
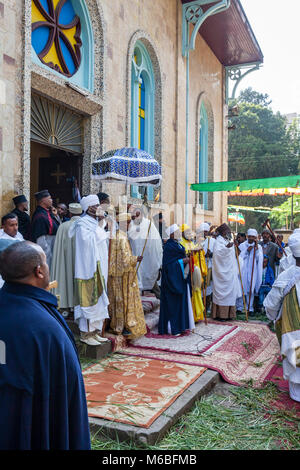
[81,77]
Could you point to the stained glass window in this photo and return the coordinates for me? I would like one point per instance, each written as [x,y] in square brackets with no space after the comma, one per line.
[62,39]
[142,109]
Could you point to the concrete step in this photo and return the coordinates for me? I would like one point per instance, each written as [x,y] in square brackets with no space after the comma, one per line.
[84,350]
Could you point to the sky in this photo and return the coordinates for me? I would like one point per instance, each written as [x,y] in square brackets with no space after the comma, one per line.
[275,24]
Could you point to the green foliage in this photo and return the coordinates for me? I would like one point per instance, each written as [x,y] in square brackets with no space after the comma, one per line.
[280,218]
[261,146]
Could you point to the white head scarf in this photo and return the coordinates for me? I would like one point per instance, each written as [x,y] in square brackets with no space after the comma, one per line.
[203,228]
[88,201]
[172,229]
[252,232]
[294,244]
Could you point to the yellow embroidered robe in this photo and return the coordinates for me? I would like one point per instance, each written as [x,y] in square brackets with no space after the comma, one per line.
[125,307]
[199,261]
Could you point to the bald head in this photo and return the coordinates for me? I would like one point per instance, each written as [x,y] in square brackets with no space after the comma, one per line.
[24,262]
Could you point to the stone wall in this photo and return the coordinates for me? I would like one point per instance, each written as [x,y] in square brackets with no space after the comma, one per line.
[11,89]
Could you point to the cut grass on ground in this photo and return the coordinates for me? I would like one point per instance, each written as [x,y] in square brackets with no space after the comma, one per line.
[240,419]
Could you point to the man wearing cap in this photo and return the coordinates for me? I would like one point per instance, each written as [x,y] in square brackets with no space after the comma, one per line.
[252,270]
[282,306]
[176,312]
[21,207]
[63,261]
[91,300]
[44,225]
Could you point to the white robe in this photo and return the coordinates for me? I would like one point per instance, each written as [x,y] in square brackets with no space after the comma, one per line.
[152,257]
[247,268]
[286,261]
[289,341]
[225,274]
[209,243]
[4,235]
[91,247]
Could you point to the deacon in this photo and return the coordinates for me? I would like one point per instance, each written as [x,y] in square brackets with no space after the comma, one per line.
[21,209]
[10,227]
[44,225]
[225,276]
[91,307]
[125,308]
[176,313]
[145,241]
[42,396]
[252,269]
[282,305]
[63,261]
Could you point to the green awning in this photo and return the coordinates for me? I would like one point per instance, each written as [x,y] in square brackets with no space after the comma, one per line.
[244,185]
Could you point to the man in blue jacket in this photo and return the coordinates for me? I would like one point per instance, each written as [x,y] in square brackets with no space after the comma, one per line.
[42,395]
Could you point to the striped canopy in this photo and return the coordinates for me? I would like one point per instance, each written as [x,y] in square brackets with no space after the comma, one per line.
[130,165]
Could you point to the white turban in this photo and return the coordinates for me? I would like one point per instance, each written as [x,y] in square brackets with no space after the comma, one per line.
[252,232]
[172,229]
[294,244]
[88,201]
[203,228]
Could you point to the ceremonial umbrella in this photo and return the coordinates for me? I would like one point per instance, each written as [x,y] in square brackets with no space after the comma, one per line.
[128,164]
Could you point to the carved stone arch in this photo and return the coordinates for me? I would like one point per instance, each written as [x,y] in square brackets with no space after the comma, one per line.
[203,99]
[145,38]
[99,30]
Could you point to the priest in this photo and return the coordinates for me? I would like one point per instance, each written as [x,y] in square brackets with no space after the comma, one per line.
[282,306]
[91,304]
[225,276]
[144,238]
[44,225]
[204,237]
[63,262]
[125,308]
[42,396]
[21,209]
[176,312]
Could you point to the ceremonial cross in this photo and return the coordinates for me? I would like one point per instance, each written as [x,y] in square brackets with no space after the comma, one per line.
[58,174]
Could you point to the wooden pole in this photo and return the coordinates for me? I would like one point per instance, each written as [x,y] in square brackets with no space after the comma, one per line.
[250,293]
[144,245]
[243,293]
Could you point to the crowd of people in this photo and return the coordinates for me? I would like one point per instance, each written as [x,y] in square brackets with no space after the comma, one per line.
[103,260]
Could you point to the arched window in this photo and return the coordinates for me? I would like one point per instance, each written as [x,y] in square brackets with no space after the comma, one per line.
[142,108]
[62,40]
[203,154]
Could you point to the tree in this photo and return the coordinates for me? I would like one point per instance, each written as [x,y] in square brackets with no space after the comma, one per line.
[251,96]
[261,146]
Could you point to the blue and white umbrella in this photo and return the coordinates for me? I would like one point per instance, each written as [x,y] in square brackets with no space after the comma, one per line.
[131,165]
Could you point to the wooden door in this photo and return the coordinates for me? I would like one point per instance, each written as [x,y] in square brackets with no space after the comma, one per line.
[59,174]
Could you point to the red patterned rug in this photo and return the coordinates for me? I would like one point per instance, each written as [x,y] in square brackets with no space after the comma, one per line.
[135,390]
[247,355]
[283,402]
